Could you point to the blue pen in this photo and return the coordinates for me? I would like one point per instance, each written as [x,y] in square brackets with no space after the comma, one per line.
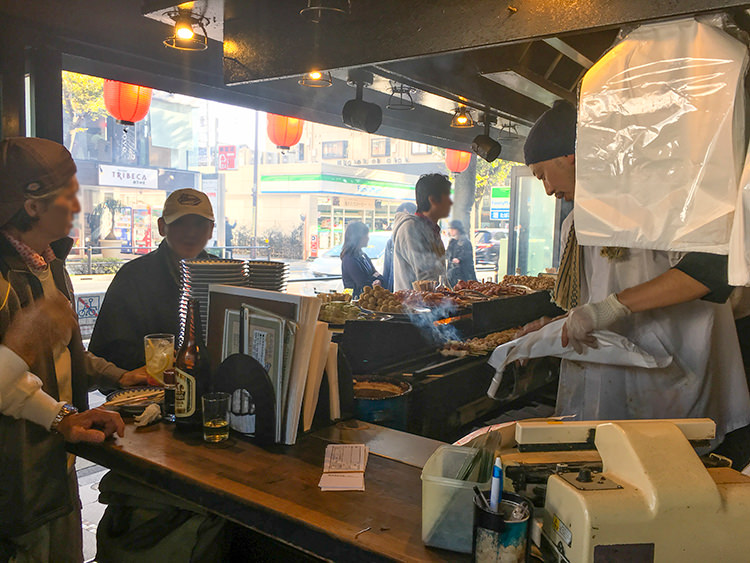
[496,489]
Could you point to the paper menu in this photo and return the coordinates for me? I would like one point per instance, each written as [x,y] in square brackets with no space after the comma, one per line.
[344,467]
[344,458]
[342,482]
[318,359]
[332,375]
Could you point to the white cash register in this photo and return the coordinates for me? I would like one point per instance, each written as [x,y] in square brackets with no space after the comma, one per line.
[642,495]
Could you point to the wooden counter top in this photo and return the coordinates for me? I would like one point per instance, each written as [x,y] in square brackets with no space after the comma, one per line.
[275,491]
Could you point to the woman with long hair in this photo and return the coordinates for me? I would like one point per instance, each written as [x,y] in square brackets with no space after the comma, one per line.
[356,267]
[459,255]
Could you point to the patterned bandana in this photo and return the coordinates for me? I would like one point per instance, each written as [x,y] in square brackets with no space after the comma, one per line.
[567,292]
[34,260]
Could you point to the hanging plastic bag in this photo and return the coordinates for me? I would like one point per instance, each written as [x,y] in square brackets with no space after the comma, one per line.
[739,246]
[661,140]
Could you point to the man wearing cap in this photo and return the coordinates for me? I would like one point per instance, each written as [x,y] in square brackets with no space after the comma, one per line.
[651,297]
[144,296]
[45,373]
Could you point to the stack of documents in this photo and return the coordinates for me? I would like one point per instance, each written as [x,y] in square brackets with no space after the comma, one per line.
[344,467]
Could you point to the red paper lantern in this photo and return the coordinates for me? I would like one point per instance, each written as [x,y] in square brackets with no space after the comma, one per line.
[284,132]
[127,103]
[457,161]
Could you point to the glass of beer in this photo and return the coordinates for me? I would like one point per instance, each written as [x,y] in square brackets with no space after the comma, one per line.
[215,417]
[159,350]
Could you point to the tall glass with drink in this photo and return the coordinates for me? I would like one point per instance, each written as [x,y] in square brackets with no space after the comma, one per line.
[159,349]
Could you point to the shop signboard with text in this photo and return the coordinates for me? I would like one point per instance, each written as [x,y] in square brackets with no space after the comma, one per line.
[128,177]
[500,204]
[227,157]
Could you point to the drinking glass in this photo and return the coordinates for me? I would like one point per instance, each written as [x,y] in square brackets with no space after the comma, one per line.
[159,356]
[215,417]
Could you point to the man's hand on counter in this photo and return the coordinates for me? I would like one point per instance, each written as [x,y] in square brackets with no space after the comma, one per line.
[45,324]
[92,426]
[134,377]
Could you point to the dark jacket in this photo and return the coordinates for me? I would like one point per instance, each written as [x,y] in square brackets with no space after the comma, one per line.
[460,248]
[33,465]
[358,271]
[143,298]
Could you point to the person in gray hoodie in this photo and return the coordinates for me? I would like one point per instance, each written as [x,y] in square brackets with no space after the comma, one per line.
[418,250]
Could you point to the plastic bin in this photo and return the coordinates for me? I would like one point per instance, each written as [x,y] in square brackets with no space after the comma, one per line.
[447,503]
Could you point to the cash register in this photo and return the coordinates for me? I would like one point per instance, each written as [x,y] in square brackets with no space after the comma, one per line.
[633,491]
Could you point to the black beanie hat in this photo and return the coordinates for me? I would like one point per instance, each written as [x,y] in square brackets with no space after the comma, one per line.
[553,134]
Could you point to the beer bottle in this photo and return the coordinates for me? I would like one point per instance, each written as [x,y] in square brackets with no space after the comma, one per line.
[192,372]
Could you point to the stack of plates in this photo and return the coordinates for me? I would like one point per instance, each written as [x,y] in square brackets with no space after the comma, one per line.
[197,274]
[267,275]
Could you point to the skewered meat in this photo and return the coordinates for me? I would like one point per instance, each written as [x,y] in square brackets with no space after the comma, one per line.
[479,346]
[537,283]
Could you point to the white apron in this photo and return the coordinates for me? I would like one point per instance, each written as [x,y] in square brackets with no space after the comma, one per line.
[706,377]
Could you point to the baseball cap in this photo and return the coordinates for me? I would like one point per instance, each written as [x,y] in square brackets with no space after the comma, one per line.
[186,201]
[31,168]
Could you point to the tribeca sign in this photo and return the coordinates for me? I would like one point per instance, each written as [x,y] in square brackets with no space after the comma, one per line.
[128,177]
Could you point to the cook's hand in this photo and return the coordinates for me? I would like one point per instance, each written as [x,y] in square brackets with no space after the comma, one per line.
[46,324]
[582,321]
[134,377]
[376,282]
[92,426]
[456,261]
[577,330]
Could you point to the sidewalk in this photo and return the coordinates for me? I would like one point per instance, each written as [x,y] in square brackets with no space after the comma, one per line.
[89,474]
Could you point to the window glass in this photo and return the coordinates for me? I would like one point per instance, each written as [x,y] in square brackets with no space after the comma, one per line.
[380,147]
[306,195]
[419,148]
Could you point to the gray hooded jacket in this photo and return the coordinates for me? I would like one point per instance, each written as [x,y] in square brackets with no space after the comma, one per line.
[418,251]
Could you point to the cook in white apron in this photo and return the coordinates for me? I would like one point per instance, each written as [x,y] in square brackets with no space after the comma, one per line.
[706,377]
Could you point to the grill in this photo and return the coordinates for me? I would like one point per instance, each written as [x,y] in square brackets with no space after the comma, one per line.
[449,393]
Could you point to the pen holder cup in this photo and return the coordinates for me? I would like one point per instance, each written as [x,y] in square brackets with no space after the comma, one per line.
[503,536]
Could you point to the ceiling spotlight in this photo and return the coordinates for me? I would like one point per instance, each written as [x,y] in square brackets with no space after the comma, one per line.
[316,10]
[184,37]
[462,118]
[362,115]
[317,79]
[400,98]
[484,145]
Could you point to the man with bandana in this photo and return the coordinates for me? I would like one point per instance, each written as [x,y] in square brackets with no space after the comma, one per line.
[45,373]
[653,298]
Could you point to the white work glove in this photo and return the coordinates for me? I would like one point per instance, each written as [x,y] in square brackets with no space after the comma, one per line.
[582,321]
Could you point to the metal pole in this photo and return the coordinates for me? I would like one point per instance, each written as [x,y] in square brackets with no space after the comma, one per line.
[256,163]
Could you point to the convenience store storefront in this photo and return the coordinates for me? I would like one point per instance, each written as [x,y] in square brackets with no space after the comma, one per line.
[334,196]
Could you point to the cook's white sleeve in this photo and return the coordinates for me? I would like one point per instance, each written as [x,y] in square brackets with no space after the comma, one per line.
[21,394]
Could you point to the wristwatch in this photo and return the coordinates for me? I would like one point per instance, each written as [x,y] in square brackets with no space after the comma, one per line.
[66,410]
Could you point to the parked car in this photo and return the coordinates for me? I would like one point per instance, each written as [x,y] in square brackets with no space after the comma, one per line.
[487,244]
[329,264]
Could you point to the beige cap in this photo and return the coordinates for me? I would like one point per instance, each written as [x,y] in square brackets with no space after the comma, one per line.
[186,201]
